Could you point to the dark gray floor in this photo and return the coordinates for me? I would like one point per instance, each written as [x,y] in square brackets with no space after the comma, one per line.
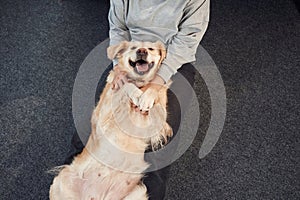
[254,43]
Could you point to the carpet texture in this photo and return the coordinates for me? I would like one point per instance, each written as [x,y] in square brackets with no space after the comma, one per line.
[255,45]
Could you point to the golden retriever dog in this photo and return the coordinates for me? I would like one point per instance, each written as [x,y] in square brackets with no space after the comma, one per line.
[124,124]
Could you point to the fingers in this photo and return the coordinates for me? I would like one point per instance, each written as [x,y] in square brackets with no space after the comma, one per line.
[117,84]
[119,80]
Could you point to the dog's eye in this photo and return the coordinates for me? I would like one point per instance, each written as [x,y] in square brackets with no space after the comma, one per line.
[133,48]
[150,49]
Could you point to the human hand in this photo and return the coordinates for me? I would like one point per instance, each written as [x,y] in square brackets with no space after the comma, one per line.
[120,78]
[158,80]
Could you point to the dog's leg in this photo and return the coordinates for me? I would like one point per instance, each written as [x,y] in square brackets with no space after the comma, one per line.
[65,186]
[148,99]
[139,192]
[152,94]
[132,92]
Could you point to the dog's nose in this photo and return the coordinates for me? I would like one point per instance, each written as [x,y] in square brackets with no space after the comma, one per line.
[141,52]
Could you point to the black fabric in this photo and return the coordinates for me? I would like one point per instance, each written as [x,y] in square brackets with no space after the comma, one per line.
[155,181]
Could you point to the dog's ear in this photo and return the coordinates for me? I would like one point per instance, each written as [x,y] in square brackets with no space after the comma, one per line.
[162,50]
[116,51]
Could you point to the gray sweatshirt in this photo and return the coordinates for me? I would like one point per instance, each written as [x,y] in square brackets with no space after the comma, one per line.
[179,24]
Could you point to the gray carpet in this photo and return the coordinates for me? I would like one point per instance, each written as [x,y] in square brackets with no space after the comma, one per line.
[255,45]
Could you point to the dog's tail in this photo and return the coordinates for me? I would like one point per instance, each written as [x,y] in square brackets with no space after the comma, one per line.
[55,170]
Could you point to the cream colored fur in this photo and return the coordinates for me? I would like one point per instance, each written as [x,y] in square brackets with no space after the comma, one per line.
[111,165]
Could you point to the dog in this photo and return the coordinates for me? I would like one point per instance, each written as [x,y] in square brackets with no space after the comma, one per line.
[125,123]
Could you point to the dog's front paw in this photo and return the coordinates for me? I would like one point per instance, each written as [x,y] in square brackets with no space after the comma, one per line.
[133,92]
[147,99]
[135,96]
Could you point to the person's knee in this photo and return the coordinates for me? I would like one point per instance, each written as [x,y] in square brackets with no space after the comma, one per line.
[188,71]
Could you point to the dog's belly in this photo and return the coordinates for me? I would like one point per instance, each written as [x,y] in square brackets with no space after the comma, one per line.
[113,185]
[88,179]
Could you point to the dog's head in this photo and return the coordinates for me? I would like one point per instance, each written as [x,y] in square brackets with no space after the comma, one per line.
[140,60]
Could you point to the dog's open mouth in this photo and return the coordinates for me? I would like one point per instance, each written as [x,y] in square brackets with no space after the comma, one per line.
[141,66]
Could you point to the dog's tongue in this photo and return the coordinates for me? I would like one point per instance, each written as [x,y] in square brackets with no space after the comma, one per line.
[142,67]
